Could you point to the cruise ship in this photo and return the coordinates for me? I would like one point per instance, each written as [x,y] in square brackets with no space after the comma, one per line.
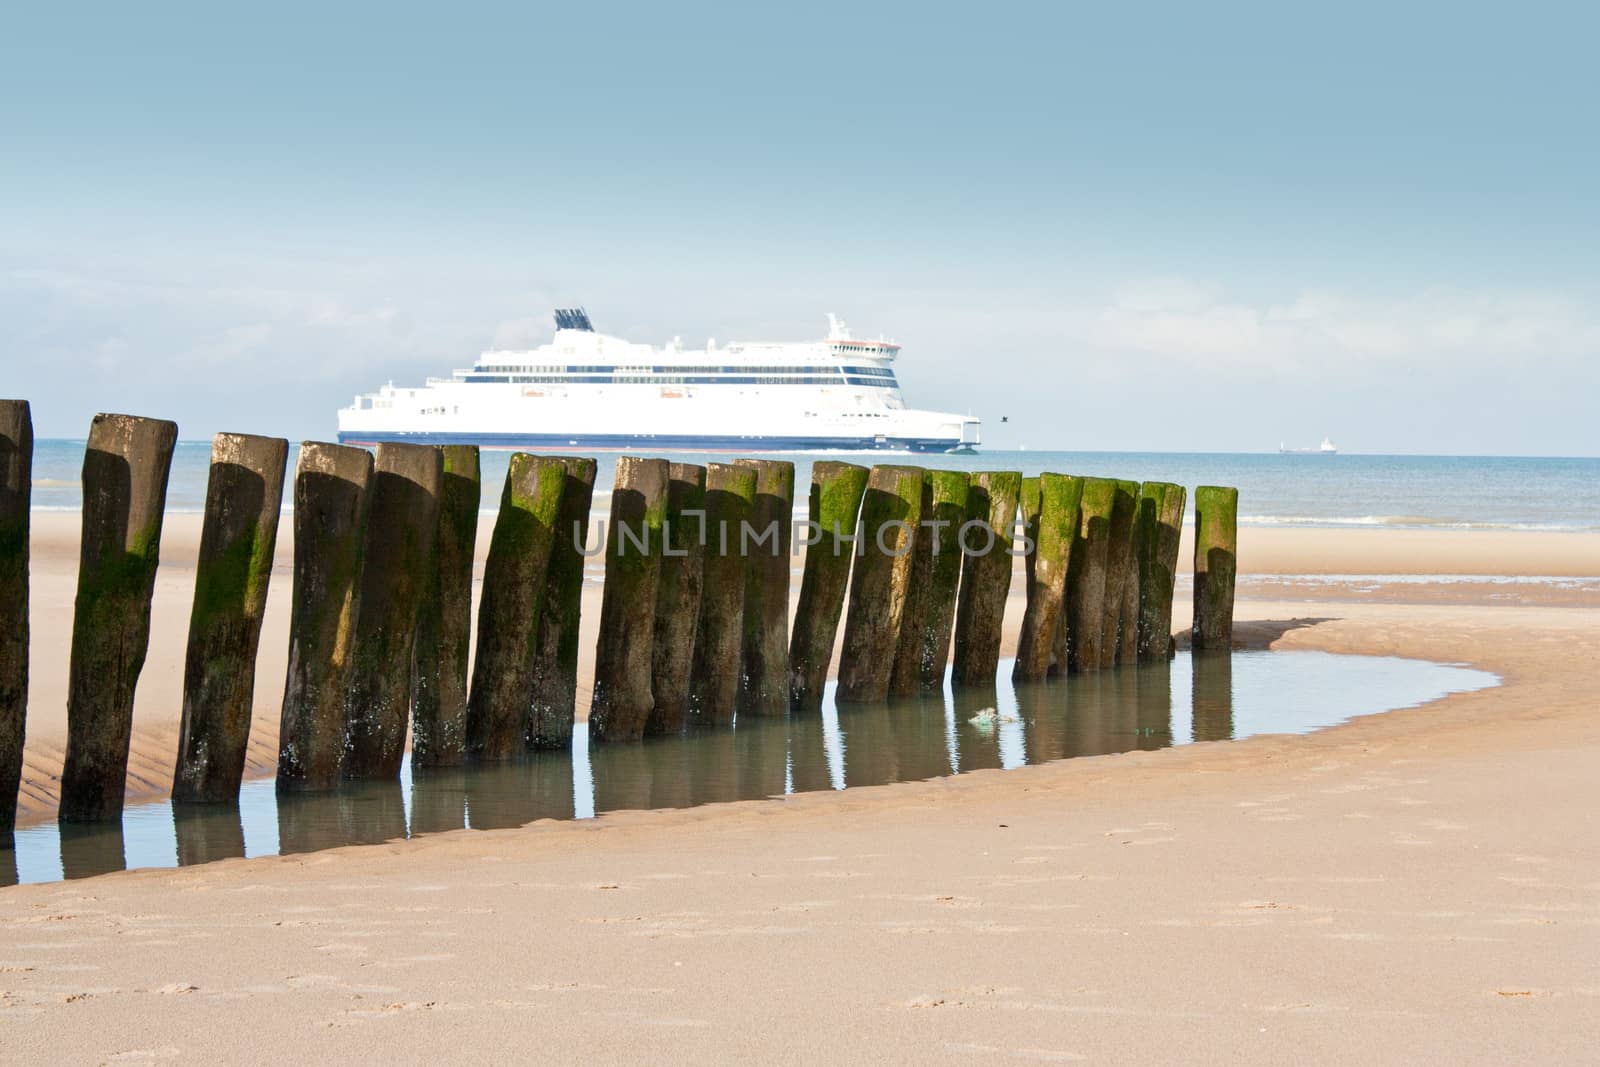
[588,390]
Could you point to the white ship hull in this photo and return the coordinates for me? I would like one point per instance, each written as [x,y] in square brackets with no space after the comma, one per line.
[587,391]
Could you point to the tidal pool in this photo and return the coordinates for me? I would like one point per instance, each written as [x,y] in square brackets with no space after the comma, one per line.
[1204,698]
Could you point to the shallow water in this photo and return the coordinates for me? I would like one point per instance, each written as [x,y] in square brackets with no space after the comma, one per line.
[1208,698]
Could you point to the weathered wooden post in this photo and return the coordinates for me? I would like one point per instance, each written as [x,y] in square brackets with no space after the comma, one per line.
[890,510]
[939,608]
[1160,529]
[1127,651]
[678,598]
[1052,531]
[1216,548]
[905,676]
[330,515]
[402,521]
[244,497]
[764,666]
[16,489]
[625,647]
[515,582]
[986,543]
[1119,552]
[444,619]
[125,471]
[555,679]
[719,638]
[1086,575]
[1028,503]
[836,490]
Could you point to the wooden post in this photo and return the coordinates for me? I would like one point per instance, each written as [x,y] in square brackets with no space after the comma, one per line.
[402,521]
[885,539]
[1128,616]
[1029,501]
[1086,575]
[678,598]
[950,490]
[330,515]
[16,489]
[1052,532]
[444,621]
[836,490]
[1119,553]
[515,577]
[1160,528]
[986,542]
[1216,548]
[764,659]
[625,648]
[125,471]
[905,675]
[555,680]
[719,639]
[239,535]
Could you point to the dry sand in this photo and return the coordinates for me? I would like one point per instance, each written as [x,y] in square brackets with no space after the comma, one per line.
[1418,885]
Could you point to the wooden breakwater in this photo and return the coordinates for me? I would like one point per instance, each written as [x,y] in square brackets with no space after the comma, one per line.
[907,573]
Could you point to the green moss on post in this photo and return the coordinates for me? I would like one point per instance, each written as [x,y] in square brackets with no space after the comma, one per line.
[402,523]
[125,470]
[885,539]
[1216,564]
[1161,507]
[330,515]
[244,497]
[1086,575]
[515,578]
[1052,529]
[836,490]
[1119,557]
[764,660]
[678,599]
[16,489]
[444,621]
[624,650]
[986,542]
[555,681]
[719,636]
[944,577]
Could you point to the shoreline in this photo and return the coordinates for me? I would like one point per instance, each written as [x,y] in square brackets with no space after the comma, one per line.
[1263,551]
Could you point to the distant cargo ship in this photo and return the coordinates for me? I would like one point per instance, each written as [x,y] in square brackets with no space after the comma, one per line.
[587,390]
[1327,448]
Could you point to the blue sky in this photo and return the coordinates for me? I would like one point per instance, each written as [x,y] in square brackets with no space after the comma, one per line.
[1192,227]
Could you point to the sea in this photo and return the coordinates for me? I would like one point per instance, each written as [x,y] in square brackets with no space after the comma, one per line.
[1442,492]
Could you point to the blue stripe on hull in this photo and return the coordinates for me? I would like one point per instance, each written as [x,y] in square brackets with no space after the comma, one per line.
[661,442]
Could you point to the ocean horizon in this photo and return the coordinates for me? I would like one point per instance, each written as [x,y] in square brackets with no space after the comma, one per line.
[1557,494]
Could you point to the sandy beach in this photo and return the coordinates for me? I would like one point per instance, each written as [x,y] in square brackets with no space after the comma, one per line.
[1414,885]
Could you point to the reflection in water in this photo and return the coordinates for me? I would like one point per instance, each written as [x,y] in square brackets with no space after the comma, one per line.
[1212,700]
[207,832]
[1002,726]
[88,849]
